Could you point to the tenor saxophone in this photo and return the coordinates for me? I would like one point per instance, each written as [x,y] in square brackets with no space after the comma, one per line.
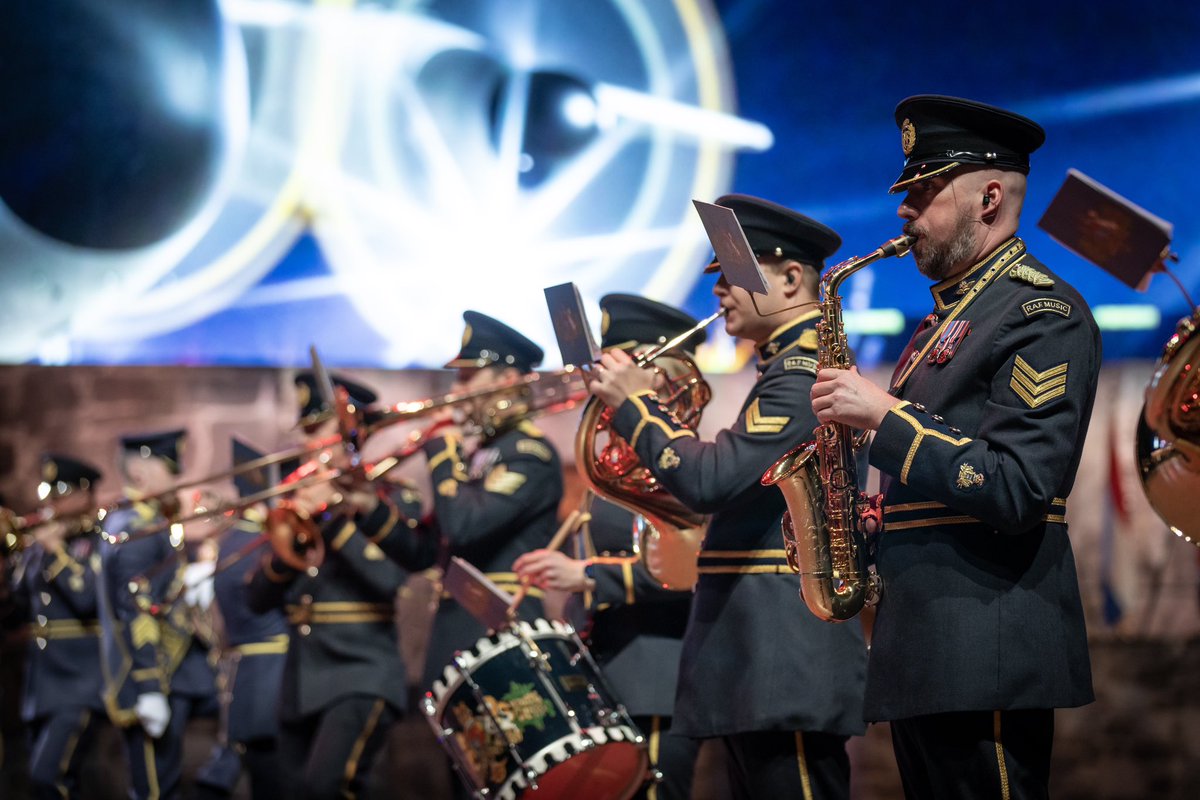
[825,526]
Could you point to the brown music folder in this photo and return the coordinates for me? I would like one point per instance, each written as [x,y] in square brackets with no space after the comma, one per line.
[1096,223]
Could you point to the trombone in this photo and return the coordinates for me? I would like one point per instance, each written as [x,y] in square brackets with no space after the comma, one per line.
[293,533]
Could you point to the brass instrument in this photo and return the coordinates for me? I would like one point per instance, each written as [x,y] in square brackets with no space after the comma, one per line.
[14,528]
[827,520]
[669,538]
[1168,433]
[531,395]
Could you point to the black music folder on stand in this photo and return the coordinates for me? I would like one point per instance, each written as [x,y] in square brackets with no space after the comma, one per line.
[484,600]
[571,329]
[738,263]
[1096,223]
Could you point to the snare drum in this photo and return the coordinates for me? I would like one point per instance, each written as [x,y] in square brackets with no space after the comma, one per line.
[526,713]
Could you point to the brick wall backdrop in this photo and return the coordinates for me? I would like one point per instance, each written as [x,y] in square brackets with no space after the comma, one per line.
[1140,739]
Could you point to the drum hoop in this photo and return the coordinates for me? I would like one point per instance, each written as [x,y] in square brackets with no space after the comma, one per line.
[485,650]
[540,763]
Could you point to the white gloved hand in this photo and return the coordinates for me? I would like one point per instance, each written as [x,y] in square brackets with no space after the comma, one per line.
[153,712]
[198,584]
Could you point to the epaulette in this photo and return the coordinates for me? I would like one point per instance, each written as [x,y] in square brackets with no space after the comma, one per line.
[1027,274]
[535,448]
[529,429]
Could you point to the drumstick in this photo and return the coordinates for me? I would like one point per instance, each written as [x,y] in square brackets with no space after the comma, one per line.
[569,526]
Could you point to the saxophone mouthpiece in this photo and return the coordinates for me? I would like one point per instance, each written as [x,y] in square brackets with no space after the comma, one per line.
[898,246]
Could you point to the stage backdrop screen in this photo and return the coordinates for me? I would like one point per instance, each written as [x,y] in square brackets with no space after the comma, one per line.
[232,181]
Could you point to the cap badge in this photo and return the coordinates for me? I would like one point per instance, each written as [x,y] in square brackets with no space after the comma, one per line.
[50,471]
[908,137]
[605,321]
[466,336]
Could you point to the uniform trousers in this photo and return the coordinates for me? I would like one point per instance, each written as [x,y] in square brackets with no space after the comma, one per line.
[788,764]
[58,742]
[156,765]
[1000,755]
[219,777]
[329,754]
[672,756]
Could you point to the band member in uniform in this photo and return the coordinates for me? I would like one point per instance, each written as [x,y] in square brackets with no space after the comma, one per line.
[156,674]
[980,630]
[343,680]
[56,582]
[254,650]
[780,688]
[502,499]
[634,627]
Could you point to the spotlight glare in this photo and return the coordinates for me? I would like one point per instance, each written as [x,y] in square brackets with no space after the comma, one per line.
[579,110]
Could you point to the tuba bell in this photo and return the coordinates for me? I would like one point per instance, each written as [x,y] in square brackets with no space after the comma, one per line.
[1168,432]
[669,539]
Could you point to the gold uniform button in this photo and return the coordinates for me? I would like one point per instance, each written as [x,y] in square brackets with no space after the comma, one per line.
[306,599]
[41,643]
[305,630]
[46,598]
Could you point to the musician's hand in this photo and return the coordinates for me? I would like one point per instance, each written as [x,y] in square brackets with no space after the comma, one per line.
[153,712]
[617,377]
[51,535]
[845,396]
[315,497]
[552,569]
[361,498]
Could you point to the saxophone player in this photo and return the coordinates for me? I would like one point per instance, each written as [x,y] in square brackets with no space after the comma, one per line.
[979,634]
[780,689]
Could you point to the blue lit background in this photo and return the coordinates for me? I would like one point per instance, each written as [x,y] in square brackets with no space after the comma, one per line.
[1116,86]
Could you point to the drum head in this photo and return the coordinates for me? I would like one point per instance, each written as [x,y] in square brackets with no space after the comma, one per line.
[612,771]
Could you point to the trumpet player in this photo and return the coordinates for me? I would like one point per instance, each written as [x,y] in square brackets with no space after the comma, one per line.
[156,673]
[343,680]
[634,626]
[980,632]
[56,583]
[499,500]
[780,689]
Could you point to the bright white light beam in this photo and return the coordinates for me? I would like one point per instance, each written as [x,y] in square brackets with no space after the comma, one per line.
[682,118]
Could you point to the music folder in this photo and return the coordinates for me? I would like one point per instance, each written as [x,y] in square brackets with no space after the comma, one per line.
[484,600]
[571,329]
[1096,223]
[738,263]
